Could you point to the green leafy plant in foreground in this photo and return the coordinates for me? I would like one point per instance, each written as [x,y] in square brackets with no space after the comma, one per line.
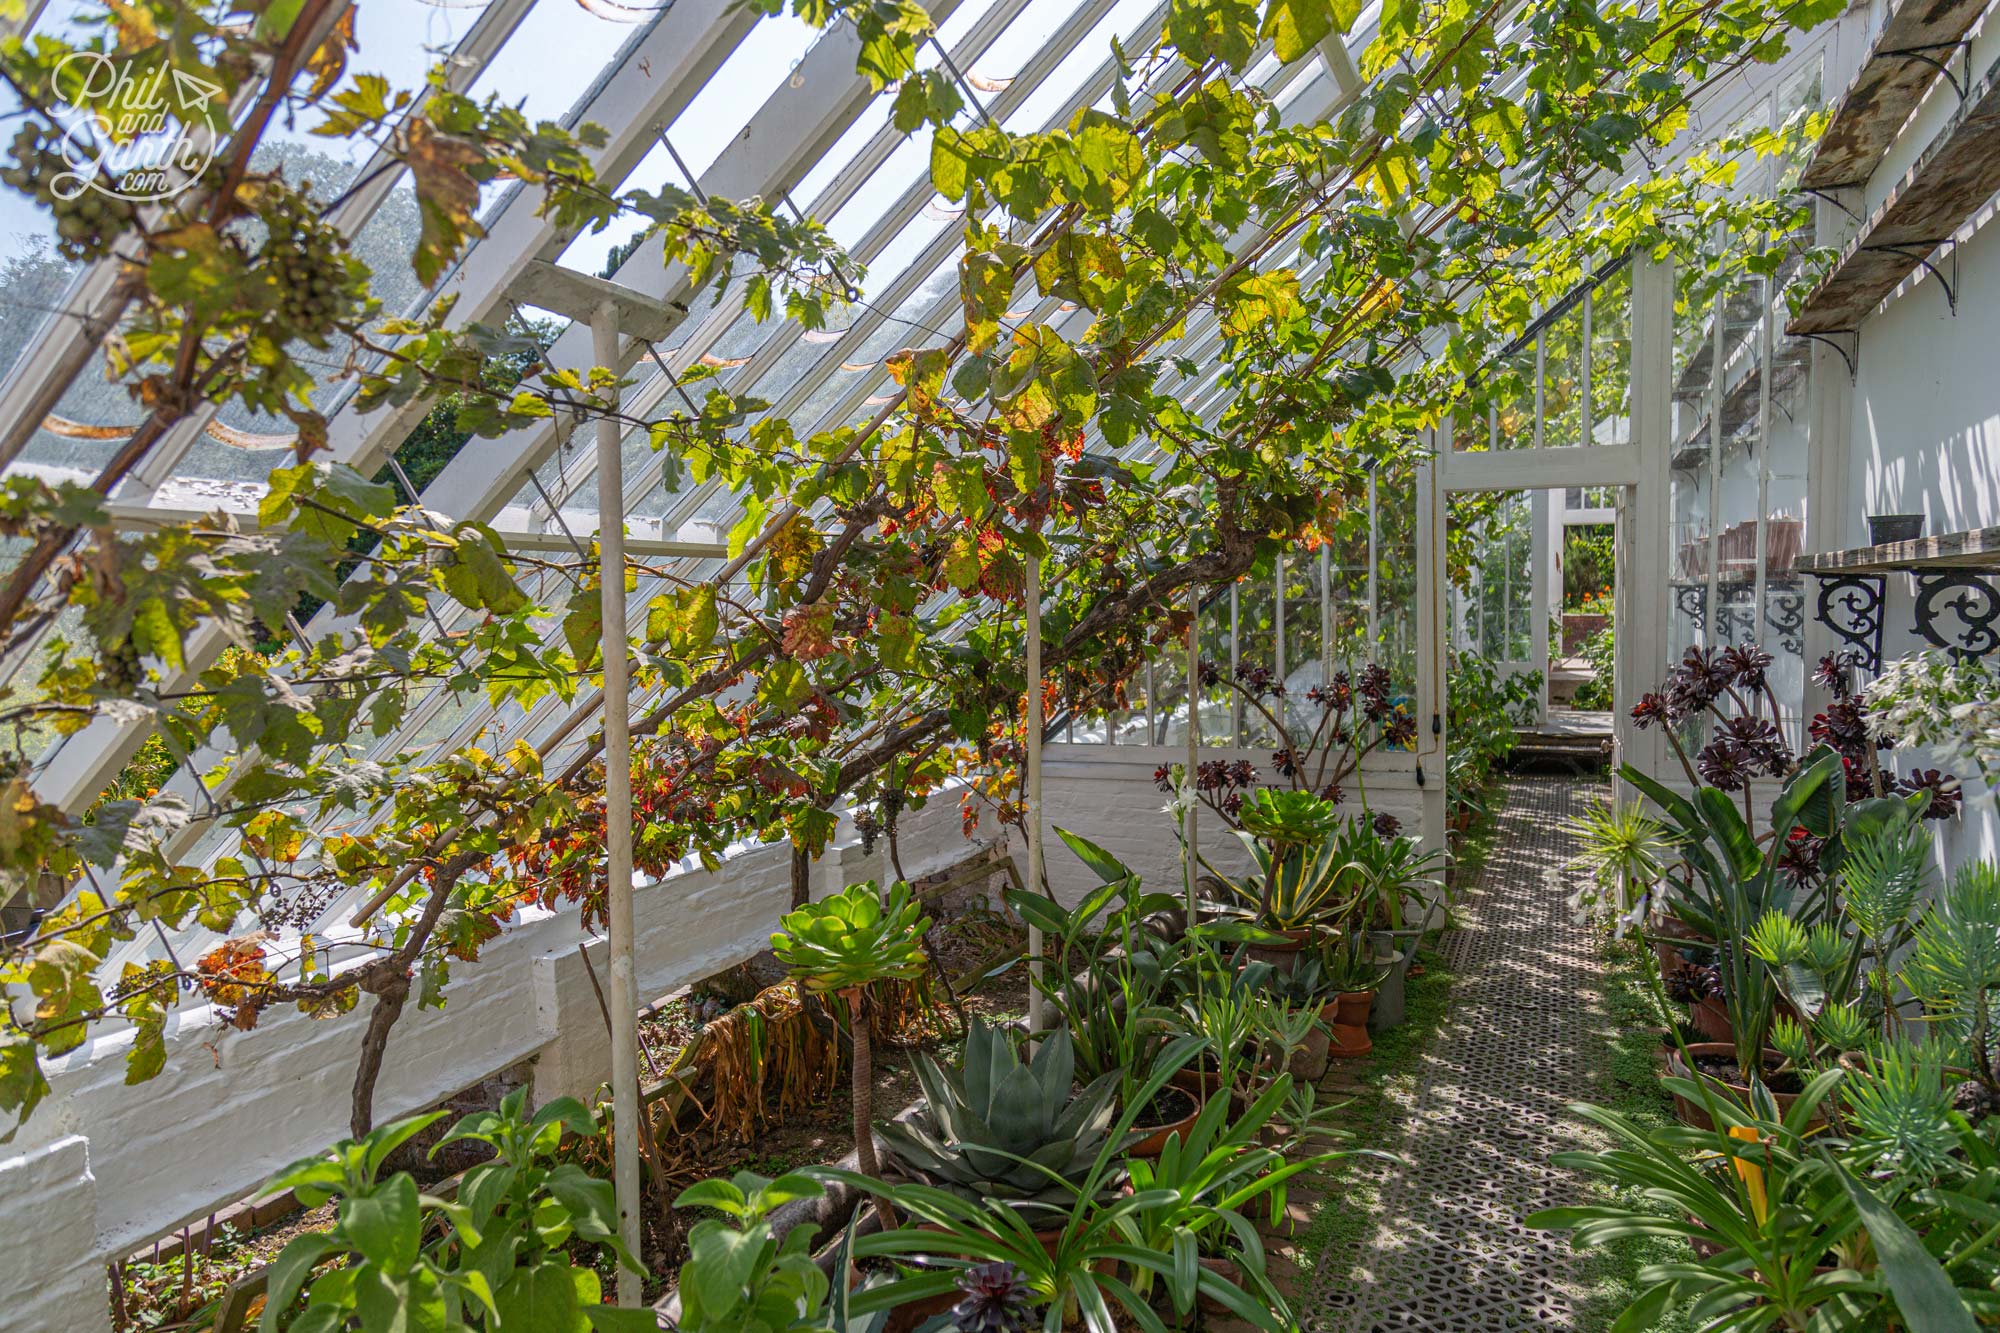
[495,1256]
[1074,1273]
[738,1277]
[1794,1239]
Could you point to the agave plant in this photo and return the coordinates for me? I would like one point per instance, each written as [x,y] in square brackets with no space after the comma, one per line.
[1006,1129]
[841,945]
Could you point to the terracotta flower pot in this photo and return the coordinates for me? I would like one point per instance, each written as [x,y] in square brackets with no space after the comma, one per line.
[1156,1142]
[1308,1063]
[1201,1084]
[1710,1017]
[1667,950]
[1349,1020]
[1691,1112]
[1283,955]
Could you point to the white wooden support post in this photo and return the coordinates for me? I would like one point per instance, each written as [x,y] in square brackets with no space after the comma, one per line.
[1193,743]
[1431,645]
[1643,598]
[1031,817]
[624,997]
[1546,524]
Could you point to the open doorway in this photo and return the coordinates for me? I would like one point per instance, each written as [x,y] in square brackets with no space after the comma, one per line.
[1534,608]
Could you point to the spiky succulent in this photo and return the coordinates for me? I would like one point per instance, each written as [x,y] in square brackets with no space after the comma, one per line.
[1899,1109]
[852,938]
[1882,877]
[1843,1027]
[1777,939]
[1000,1128]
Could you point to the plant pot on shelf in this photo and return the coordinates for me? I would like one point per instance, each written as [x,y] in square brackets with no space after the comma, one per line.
[1691,1112]
[1884,528]
[1283,955]
[1348,1017]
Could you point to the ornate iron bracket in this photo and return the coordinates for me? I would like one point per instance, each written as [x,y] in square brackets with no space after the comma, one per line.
[1785,613]
[1852,358]
[1970,597]
[1692,599]
[1920,252]
[1850,605]
[1736,618]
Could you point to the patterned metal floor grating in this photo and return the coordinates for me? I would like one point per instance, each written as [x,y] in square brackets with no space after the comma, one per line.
[1525,1037]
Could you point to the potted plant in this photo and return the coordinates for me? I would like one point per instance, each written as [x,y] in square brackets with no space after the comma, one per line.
[1788,1230]
[1009,1130]
[1305,990]
[1113,1007]
[1352,974]
[841,946]
[1073,1271]
[1699,987]
[1300,874]
[1224,1005]
[1194,1199]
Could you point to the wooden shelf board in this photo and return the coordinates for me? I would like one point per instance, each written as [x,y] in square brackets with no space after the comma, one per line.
[1978,548]
[1958,172]
[1887,89]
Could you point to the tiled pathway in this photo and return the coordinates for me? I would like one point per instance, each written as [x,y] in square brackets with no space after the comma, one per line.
[1525,1037]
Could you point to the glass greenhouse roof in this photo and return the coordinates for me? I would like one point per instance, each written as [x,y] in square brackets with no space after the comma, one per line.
[777,111]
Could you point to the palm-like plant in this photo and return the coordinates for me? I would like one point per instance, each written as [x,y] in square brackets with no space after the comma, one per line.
[1625,851]
[840,946]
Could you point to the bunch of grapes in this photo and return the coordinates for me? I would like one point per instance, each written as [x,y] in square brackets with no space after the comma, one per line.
[316,282]
[88,222]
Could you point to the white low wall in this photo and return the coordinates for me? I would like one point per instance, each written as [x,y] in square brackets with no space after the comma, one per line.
[1106,793]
